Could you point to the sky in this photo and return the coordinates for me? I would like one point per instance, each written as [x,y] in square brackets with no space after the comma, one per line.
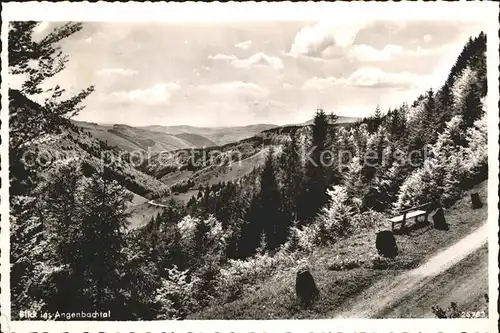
[241,73]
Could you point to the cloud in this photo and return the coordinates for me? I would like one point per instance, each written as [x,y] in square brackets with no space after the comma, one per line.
[427,38]
[235,87]
[371,77]
[220,56]
[159,93]
[325,39]
[41,27]
[319,84]
[243,45]
[260,60]
[368,77]
[116,71]
[257,60]
[15,81]
[367,53]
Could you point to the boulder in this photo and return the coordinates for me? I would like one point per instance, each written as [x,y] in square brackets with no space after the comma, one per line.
[386,244]
[305,287]
[476,201]
[439,220]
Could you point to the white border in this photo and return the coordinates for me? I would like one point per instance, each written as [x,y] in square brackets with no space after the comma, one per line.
[101,11]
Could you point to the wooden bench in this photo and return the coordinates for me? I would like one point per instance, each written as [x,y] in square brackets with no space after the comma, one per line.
[410,213]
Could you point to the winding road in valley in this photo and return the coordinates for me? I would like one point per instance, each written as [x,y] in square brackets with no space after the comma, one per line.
[152,203]
[458,273]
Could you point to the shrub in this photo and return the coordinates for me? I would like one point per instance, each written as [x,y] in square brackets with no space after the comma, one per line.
[241,274]
[369,219]
[335,219]
[176,295]
[303,239]
[451,312]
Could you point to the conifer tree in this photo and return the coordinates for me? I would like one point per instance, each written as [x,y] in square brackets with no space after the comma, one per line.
[271,215]
[292,175]
[377,120]
[101,240]
[313,195]
[60,208]
[473,108]
[251,230]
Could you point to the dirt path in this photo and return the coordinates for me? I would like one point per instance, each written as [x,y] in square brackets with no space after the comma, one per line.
[152,203]
[383,297]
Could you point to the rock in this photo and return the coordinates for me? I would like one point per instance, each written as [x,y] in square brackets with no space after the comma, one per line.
[386,244]
[305,287]
[439,220]
[476,201]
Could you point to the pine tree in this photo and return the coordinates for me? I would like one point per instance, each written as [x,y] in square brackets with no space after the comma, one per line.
[251,229]
[60,226]
[430,117]
[61,207]
[394,122]
[313,195]
[271,215]
[141,281]
[473,108]
[292,175]
[262,244]
[377,119]
[101,239]
[444,105]
[424,131]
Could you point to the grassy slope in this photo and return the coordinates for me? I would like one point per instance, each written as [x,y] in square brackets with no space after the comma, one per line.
[223,173]
[141,214]
[214,175]
[101,133]
[274,298]
[196,140]
[156,141]
[71,145]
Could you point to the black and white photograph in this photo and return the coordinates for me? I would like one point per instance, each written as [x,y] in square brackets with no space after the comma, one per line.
[250,169]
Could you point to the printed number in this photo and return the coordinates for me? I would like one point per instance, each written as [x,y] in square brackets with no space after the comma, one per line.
[473,314]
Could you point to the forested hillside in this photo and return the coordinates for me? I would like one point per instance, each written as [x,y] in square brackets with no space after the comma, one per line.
[311,187]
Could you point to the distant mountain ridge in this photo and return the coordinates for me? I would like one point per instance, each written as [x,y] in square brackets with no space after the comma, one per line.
[167,138]
[130,138]
[340,120]
[219,135]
